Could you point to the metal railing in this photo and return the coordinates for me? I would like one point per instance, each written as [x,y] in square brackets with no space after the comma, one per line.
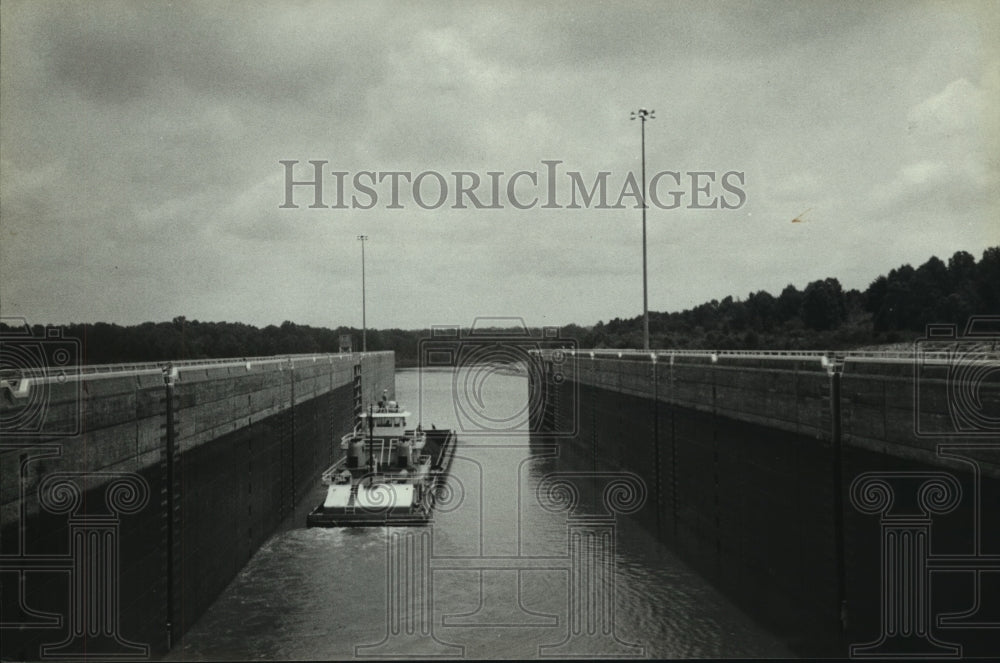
[933,353]
[108,370]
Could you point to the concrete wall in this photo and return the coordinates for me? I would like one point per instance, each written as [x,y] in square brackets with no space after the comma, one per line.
[748,462]
[216,461]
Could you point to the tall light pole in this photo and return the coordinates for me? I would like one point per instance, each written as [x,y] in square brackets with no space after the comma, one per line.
[364,321]
[644,115]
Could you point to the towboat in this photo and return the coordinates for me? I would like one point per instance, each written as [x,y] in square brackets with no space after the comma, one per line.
[389,474]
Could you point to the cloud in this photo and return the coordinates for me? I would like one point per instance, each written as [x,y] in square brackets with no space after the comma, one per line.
[948,160]
[141,147]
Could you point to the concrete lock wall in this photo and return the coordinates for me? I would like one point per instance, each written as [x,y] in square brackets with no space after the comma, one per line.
[748,462]
[187,480]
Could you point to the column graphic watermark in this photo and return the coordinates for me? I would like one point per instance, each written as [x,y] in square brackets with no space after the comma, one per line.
[956,401]
[40,416]
[588,563]
[91,564]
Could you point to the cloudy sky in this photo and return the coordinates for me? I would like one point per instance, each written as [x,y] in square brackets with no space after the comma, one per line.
[141,148]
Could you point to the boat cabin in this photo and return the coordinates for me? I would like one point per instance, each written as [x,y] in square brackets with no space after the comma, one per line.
[389,444]
[389,420]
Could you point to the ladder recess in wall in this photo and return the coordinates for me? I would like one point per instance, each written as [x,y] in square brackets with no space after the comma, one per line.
[358,404]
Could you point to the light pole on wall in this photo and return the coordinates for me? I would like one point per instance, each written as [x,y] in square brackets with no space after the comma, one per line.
[644,115]
[364,321]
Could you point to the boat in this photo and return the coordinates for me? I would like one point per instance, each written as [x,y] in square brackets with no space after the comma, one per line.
[388,475]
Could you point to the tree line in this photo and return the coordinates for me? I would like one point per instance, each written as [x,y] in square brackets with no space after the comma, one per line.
[895,307]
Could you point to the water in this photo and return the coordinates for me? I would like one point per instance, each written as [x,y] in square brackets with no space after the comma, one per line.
[501,580]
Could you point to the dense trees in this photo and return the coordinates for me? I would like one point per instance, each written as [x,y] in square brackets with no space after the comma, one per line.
[102,343]
[895,307]
[908,299]
[823,305]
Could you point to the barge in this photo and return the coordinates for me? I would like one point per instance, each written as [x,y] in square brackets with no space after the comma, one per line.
[389,475]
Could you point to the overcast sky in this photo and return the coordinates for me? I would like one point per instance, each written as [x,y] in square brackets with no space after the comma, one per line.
[141,145]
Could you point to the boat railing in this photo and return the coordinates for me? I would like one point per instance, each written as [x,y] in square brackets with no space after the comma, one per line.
[345,440]
[417,436]
[328,475]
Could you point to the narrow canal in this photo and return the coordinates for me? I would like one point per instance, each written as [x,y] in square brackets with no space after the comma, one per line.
[322,593]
